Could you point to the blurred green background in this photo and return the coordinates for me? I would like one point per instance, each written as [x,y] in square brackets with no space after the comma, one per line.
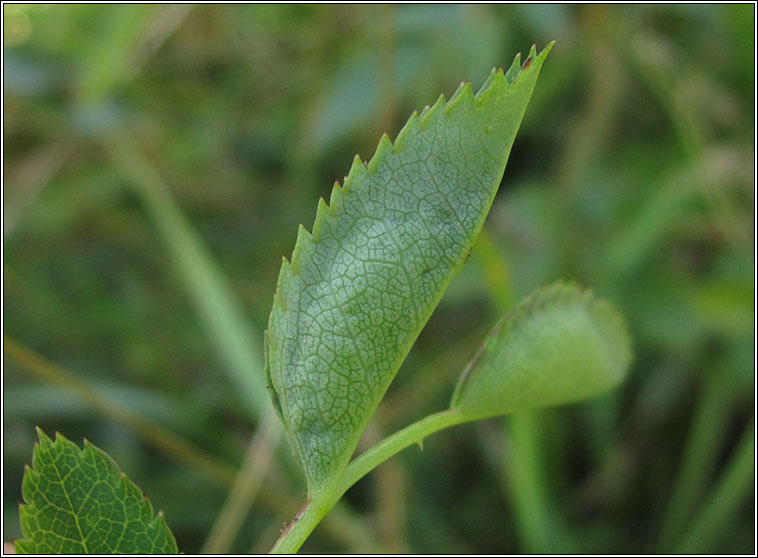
[158,160]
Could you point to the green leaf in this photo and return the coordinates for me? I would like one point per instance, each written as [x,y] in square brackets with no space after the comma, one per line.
[79,502]
[361,286]
[559,345]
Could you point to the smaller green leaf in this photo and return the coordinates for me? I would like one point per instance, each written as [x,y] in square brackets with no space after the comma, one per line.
[559,345]
[79,502]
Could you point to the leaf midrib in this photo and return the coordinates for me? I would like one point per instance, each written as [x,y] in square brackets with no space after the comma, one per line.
[71,506]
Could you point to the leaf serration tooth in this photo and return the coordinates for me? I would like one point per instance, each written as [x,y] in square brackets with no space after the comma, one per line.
[514,71]
[487,82]
[322,212]
[436,112]
[335,199]
[462,99]
[283,282]
[409,130]
[455,95]
[383,150]
[303,246]
[496,82]
[357,173]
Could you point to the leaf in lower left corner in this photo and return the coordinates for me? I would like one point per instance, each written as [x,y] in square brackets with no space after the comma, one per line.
[79,502]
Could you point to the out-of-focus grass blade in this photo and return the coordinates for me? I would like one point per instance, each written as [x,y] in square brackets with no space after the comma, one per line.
[726,497]
[707,432]
[147,429]
[221,315]
[127,34]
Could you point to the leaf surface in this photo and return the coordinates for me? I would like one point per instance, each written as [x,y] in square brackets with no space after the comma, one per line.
[560,345]
[360,288]
[79,502]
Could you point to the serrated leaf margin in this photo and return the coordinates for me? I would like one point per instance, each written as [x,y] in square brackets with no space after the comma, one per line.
[28,545]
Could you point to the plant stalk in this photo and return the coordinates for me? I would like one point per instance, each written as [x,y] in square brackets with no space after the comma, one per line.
[315,509]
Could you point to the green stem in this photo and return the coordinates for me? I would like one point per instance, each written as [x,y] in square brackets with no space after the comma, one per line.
[314,510]
[413,434]
[302,525]
[524,472]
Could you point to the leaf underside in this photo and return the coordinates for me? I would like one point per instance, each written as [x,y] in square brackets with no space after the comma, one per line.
[360,288]
[79,502]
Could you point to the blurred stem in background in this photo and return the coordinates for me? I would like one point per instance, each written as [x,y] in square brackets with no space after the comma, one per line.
[224,324]
[591,128]
[131,42]
[220,315]
[716,399]
[248,481]
[539,527]
[219,312]
[135,33]
[647,57]
[698,461]
[341,524]
[158,436]
[130,34]
[729,492]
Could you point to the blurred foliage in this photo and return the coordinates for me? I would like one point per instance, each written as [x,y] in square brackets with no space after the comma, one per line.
[633,174]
